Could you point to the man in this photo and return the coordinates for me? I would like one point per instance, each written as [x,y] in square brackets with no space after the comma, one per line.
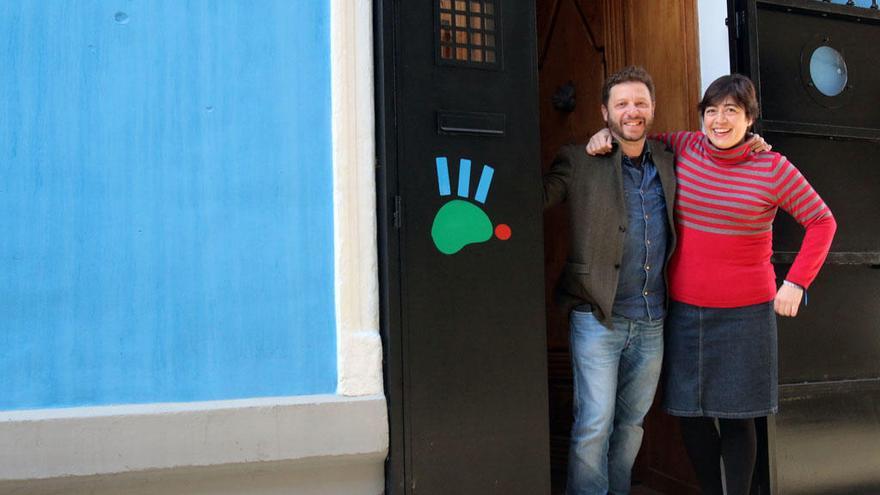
[613,283]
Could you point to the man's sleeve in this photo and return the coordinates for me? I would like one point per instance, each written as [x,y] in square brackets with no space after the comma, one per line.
[558,179]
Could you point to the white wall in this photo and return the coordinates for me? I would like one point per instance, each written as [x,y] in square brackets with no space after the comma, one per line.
[714,51]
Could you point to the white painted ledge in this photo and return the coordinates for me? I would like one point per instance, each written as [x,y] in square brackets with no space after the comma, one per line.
[53,443]
[347,476]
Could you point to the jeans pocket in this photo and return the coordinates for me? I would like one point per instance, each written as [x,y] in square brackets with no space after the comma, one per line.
[582,320]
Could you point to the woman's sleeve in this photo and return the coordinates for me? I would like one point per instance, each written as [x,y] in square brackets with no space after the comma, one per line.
[674,140]
[800,200]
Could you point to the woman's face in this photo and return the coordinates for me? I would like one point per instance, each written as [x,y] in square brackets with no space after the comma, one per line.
[726,123]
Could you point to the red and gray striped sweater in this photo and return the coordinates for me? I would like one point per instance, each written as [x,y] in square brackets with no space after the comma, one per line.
[724,212]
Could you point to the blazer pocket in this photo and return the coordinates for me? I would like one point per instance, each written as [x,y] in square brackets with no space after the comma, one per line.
[578,268]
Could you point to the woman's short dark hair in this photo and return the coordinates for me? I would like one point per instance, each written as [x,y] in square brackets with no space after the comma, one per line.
[633,73]
[738,87]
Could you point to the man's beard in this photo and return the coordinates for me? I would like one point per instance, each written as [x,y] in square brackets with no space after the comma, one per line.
[618,131]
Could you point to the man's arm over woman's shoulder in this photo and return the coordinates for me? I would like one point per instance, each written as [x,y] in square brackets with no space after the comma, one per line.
[676,140]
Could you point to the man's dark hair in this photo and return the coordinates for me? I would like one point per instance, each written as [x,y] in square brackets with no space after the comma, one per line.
[738,87]
[633,73]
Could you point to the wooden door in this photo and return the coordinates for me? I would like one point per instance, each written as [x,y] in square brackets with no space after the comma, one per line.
[580,42]
[571,68]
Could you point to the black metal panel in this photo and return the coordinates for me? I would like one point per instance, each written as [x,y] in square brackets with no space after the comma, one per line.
[788,37]
[837,335]
[825,438]
[847,177]
[466,356]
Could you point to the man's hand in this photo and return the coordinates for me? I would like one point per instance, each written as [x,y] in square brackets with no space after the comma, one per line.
[600,143]
[757,144]
[788,299]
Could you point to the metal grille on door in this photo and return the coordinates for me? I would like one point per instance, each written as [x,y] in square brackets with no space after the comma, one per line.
[468,33]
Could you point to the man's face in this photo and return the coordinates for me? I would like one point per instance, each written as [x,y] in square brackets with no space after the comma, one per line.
[630,111]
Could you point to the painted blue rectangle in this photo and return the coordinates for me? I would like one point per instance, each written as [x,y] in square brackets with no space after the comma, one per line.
[443,176]
[484,184]
[464,177]
[166,189]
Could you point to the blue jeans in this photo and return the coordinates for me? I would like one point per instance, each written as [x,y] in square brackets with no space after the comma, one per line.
[615,376]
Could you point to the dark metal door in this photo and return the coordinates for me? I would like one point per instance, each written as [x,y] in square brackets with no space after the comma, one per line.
[816,67]
[461,239]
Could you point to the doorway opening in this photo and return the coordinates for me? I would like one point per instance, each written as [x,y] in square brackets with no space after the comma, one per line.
[580,42]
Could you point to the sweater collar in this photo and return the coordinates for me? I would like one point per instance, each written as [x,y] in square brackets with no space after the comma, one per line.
[729,156]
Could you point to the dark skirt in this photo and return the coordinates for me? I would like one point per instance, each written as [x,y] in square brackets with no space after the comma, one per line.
[720,362]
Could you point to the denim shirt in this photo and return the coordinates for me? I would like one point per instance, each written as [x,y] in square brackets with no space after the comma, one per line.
[641,291]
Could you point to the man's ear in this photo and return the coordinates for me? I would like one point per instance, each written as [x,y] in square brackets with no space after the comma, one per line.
[604,113]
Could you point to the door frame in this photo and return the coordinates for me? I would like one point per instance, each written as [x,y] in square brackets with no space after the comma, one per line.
[388,238]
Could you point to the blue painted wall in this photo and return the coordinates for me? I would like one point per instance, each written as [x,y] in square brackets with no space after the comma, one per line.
[165,201]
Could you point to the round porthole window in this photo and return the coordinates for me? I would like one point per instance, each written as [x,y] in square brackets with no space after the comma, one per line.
[828,70]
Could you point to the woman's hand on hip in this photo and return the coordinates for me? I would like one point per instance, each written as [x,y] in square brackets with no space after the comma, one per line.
[788,299]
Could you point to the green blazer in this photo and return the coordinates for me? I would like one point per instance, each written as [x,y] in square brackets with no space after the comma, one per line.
[592,188]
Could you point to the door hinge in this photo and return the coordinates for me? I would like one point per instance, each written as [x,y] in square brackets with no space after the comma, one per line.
[398,208]
[739,23]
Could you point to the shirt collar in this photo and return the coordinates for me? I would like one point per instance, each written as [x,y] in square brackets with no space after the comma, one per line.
[645,157]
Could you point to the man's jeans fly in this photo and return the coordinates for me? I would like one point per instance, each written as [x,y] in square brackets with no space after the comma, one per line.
[615,376]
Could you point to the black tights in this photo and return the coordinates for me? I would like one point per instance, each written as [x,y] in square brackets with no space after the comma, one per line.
[736,443]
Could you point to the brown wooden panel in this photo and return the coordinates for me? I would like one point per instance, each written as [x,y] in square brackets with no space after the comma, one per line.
[545,15]
[615,34]
[571,51]
[593,16]
[560,393]
[571,55]
[661,36]
[662,463]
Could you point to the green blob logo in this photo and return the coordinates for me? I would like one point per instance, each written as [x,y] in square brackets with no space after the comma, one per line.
[460,223]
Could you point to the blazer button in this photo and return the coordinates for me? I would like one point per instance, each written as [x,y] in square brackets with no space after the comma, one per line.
[617,266]
[623,228]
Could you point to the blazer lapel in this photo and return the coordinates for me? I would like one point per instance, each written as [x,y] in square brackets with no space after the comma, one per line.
[665,163]
[616,162]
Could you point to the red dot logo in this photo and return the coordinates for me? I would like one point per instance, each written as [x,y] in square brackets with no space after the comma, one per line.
[502,231]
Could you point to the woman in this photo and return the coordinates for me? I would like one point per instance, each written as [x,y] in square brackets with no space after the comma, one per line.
[720,362]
